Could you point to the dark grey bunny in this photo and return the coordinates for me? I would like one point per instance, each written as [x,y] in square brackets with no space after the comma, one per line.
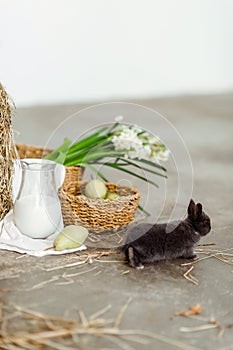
[148,243]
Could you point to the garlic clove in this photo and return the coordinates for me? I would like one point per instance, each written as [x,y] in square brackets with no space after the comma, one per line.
[95,189]
[111,195]
[70,237]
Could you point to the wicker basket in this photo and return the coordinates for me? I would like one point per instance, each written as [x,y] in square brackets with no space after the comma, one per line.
[73,175]
[28,151]
[99,214]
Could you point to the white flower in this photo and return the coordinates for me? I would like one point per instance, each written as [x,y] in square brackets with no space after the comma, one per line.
[135,143]
[154,140]
[126,140]
[136,129]
[132,155]
[147,151]
[163,155]
[119,118]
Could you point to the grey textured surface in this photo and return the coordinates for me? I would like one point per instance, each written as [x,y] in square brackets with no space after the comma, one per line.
[206,125]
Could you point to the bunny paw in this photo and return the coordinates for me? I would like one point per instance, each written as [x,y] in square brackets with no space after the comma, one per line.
[134,260]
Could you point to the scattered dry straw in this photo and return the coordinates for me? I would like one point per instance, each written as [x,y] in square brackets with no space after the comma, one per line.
[64,333]
[187,275]
[193,310]
[223,255]
[210,323]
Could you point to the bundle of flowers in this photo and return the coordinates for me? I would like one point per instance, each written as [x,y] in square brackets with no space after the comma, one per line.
[117,146]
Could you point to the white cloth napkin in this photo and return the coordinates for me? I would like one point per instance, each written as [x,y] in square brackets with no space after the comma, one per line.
[12,239]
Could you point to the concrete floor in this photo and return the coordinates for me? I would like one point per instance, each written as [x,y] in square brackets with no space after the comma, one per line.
[206,125]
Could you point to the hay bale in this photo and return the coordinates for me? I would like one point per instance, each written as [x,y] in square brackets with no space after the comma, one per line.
[7,153]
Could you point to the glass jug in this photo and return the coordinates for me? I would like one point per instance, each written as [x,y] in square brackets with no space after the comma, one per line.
[37,209]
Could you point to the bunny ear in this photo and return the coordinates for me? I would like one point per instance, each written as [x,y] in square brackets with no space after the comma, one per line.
[191,207]
[198,209]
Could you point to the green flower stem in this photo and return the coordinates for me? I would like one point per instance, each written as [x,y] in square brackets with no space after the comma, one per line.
[143,210]
[86,141]
[148,162]
[111,128]
[93,139]
[62,149]
[92,157]
[95,147]
[91,143]
[115,165]
[143,168]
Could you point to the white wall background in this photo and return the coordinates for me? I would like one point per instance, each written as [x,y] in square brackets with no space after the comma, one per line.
[55,51]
